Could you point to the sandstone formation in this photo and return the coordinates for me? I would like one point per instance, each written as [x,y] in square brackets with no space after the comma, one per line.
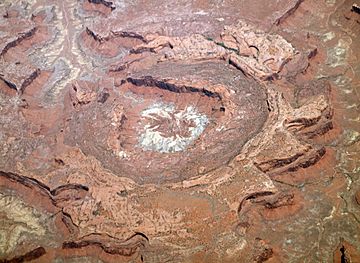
[219,131]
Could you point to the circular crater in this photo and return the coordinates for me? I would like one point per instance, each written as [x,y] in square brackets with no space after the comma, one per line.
[171,122]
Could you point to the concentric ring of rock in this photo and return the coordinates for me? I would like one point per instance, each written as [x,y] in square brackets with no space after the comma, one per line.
[129,132]
[169,121]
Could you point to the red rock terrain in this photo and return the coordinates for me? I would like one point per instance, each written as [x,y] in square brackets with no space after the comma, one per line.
[167,131]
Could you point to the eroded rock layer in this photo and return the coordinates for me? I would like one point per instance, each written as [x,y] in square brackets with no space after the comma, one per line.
[168,122]
[218,131]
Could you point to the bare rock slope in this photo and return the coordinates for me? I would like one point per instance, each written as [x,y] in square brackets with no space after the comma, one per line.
[217,131]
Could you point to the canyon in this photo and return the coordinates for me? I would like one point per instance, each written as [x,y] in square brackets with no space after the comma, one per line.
[179,131]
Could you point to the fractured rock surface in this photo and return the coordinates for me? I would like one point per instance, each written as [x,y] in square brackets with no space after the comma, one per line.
[179,132]
[178,110]
[17,76]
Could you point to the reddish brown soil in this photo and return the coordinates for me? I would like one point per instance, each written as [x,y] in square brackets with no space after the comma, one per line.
[200,131]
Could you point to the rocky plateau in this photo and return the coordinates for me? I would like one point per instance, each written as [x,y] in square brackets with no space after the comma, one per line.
[179,131]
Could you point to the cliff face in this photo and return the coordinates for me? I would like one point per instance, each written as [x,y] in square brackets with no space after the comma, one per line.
[192,131]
